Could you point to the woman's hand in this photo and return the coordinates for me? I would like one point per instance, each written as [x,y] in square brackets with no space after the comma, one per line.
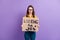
[21,25]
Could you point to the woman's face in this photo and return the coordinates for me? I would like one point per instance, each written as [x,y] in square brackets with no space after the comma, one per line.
[30,10]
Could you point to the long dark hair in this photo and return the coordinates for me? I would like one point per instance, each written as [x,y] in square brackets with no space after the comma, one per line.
[33,13]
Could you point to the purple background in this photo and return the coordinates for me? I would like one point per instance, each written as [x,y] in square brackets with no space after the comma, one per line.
[12,11]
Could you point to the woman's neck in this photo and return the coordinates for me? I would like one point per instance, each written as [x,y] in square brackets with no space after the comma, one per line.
[30,15]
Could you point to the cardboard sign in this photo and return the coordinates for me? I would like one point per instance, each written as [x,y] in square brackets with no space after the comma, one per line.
[30,24]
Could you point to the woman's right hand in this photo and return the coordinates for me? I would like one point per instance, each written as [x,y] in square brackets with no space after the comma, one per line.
[21,25]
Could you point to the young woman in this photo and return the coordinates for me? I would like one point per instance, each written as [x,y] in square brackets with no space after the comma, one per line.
[30,35]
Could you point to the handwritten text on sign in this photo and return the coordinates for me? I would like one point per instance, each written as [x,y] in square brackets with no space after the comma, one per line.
[30,24]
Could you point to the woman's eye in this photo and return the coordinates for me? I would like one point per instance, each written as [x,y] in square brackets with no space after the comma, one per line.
[30,9]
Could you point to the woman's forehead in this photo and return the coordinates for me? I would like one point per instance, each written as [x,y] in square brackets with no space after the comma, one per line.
[30,8]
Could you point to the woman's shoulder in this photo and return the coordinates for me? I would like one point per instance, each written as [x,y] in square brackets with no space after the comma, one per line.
[25,16]
[36,16]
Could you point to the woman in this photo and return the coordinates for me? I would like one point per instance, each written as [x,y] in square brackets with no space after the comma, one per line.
[29,35]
